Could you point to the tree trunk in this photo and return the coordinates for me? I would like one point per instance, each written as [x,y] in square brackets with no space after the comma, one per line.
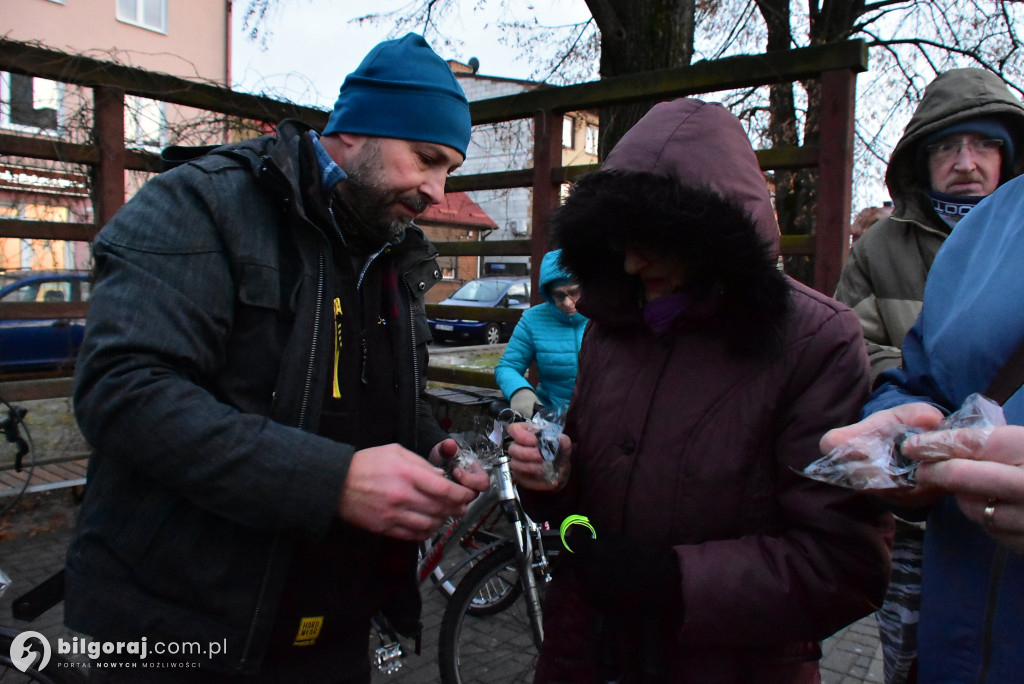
[635,37]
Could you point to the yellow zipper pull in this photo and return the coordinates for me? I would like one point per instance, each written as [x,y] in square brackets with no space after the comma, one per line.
[337,346]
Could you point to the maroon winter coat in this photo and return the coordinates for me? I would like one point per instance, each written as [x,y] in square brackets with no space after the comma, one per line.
[689,440]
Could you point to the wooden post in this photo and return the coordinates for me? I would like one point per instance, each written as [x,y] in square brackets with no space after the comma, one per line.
[835,176]
[547,154]
[108,128]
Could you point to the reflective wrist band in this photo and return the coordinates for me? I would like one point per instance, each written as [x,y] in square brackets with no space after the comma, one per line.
[575,520]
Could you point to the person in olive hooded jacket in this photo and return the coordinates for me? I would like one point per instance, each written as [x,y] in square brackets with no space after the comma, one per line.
[883,280]
[706,379]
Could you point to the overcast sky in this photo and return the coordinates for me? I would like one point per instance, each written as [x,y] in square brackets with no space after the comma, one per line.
[313,46]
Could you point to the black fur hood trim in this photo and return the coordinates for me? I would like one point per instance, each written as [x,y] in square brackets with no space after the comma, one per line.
[748,297]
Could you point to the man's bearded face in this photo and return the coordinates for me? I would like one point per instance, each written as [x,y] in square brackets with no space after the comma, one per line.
[367,192]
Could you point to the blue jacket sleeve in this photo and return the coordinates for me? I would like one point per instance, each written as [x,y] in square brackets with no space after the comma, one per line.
[519,354]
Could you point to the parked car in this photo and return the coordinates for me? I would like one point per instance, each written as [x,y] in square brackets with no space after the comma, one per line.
[47,344]
[494,291]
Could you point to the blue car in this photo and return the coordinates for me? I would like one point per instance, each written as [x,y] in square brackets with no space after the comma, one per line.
[47,344]
[494,291]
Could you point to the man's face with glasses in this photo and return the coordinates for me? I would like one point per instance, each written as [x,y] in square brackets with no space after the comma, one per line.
[565,297]
[965,164]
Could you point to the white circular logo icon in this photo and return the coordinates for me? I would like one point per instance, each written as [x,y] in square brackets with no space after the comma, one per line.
[23,655]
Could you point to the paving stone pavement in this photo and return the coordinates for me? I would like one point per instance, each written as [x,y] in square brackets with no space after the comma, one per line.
[34,538]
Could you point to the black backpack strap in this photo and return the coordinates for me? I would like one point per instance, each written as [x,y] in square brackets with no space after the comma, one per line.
[1009,378]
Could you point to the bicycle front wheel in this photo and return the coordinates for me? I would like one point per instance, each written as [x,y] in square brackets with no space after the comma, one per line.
[494,645]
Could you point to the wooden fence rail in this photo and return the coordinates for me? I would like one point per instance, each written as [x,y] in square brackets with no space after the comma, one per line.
[836,66]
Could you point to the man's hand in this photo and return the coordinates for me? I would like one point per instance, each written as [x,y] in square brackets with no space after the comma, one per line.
[526,461]
[984,468]
[919,415]
[474,477]
[392,491]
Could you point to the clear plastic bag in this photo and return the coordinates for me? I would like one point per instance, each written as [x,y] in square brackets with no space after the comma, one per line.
[873,460]
[547,425]
[477,447]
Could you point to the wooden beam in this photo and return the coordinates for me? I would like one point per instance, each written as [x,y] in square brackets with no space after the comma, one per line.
[47,230]
[32,60]
[55,150]
[744,71]
[484,248]
[835,178]
[474,313]
[547,155]
[108,128]
[28,390]
[34,311]
[459,376]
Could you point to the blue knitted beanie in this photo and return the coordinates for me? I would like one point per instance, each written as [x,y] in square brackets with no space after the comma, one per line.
[984,126]
[403,89]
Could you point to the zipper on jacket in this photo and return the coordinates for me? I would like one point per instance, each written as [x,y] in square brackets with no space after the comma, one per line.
[362,335]
[307,388]
[337,346]
[998,564]
[415,371]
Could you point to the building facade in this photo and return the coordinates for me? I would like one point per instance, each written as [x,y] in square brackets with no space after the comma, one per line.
[508,146]
[185,38]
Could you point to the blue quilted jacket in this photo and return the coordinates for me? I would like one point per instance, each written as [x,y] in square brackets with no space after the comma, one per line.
[546,335]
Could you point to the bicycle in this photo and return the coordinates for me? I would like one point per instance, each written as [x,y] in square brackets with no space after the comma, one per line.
[476,533]
[492,627]
[482,529]
[23,657]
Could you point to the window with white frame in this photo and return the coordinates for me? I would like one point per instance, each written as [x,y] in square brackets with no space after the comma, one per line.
[27,102]
[150,14]
[144,122]
[569,132]
[592,141]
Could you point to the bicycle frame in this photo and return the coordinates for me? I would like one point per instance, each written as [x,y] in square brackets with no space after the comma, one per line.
[459,530]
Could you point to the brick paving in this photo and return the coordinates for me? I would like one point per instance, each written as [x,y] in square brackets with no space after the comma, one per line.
[35,537]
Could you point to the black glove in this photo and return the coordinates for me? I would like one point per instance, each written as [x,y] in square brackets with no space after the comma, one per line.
[620,575]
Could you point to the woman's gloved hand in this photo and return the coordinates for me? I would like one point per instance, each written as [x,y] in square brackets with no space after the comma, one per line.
[620,575]
[523,402]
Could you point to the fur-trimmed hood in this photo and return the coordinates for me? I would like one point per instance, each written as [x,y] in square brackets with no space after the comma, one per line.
[684,182]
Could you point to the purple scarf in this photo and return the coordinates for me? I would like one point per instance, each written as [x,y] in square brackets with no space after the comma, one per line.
[659,314]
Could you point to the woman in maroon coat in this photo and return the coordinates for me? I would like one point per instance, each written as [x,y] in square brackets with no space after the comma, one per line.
[706,379]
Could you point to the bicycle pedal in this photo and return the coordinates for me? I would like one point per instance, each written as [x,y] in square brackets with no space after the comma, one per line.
[389,657]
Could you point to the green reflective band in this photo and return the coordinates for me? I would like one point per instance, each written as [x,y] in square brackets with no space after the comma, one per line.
[576,520]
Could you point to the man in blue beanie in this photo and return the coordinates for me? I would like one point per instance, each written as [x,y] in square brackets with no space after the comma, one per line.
[963,141]
[252,382]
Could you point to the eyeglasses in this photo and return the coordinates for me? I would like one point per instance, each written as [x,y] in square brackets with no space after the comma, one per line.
[948,150]
[572,293]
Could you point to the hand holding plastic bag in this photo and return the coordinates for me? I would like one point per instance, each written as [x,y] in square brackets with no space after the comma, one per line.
[547,426]
[873,460]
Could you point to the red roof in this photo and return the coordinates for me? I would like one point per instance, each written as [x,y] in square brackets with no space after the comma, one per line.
[457,209]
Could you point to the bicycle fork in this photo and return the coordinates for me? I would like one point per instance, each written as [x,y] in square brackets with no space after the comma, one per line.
[525,529]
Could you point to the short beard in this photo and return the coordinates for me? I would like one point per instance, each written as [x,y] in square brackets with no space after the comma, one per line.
[364,192]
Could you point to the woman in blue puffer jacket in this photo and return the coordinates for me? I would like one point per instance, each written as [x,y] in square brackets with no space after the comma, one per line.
[549,333]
